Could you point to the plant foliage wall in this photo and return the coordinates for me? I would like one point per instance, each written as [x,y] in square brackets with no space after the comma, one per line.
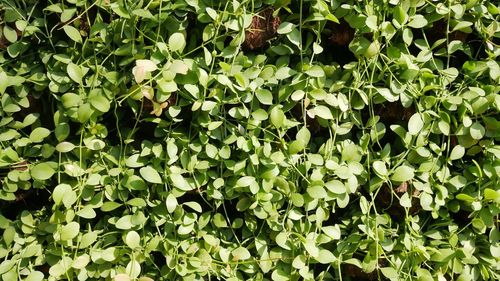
[249,140]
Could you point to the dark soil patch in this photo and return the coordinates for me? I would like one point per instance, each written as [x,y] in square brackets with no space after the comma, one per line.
[264,27]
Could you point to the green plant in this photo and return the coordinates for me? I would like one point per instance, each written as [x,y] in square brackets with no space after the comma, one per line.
[264,139]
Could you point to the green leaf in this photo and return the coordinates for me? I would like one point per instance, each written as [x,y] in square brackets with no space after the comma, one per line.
[277,117]
[73,33]
[477,131]
[316,191]
[285,27]
[150,175]
[457,152]
[10,34]
[415,124]
[371,22]
[64,194]
[380,169]
[64,147]
[264,96]
[323,112]
[39,134]
[403,173]
[325,257]
[424,275]
[75,72]
[35,276]
[171,203]
[42,171]
[336,187]
[180,182]
[418,21]
[315,71]
[295,37]
[133,240]
[177,42]
[99,101]
[405,200]
[241,253]
[390,273]
[70,231]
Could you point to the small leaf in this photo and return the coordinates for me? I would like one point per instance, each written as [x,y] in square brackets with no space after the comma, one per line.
[142,68]
[133,240]
[315,71]
[121,277]
[477,131]
[70,231]
[403,173]
[457,152]
[277,117]
[180,182]
[325,257]
[405,200]
[39,134]
[171,203]
[240,253]
[371,22]
[264,96]
[390,273]
[73,33]
[150,175]
[285,27]
[380,169]
[177,42]
[415,124]
[64,147]
[75,72]
[42,171]
[323,112]
[418,21]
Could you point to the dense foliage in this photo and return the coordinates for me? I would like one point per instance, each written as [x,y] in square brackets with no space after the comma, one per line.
[249,140]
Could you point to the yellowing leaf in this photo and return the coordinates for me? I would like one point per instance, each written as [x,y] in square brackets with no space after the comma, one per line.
[142,68]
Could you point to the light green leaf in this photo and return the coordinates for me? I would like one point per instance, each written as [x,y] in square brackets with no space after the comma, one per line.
[264,96]
[42,171]
[323,112]
[64,147]
[336,187]
[99,101]
[70,231]
[325,257]
[371,22]
[133,240]
[180,182]
[73,33]
[286,27]
[277,117]
[39,134]
[403,173]
[380,169]
[405,200]
[315,71]
[477,131]
[457,152]
[64,194]
[390,273]
[171,203]
[418,21]
[415,124]
[177,42]
[240,253]
[75,72]
[150,175]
